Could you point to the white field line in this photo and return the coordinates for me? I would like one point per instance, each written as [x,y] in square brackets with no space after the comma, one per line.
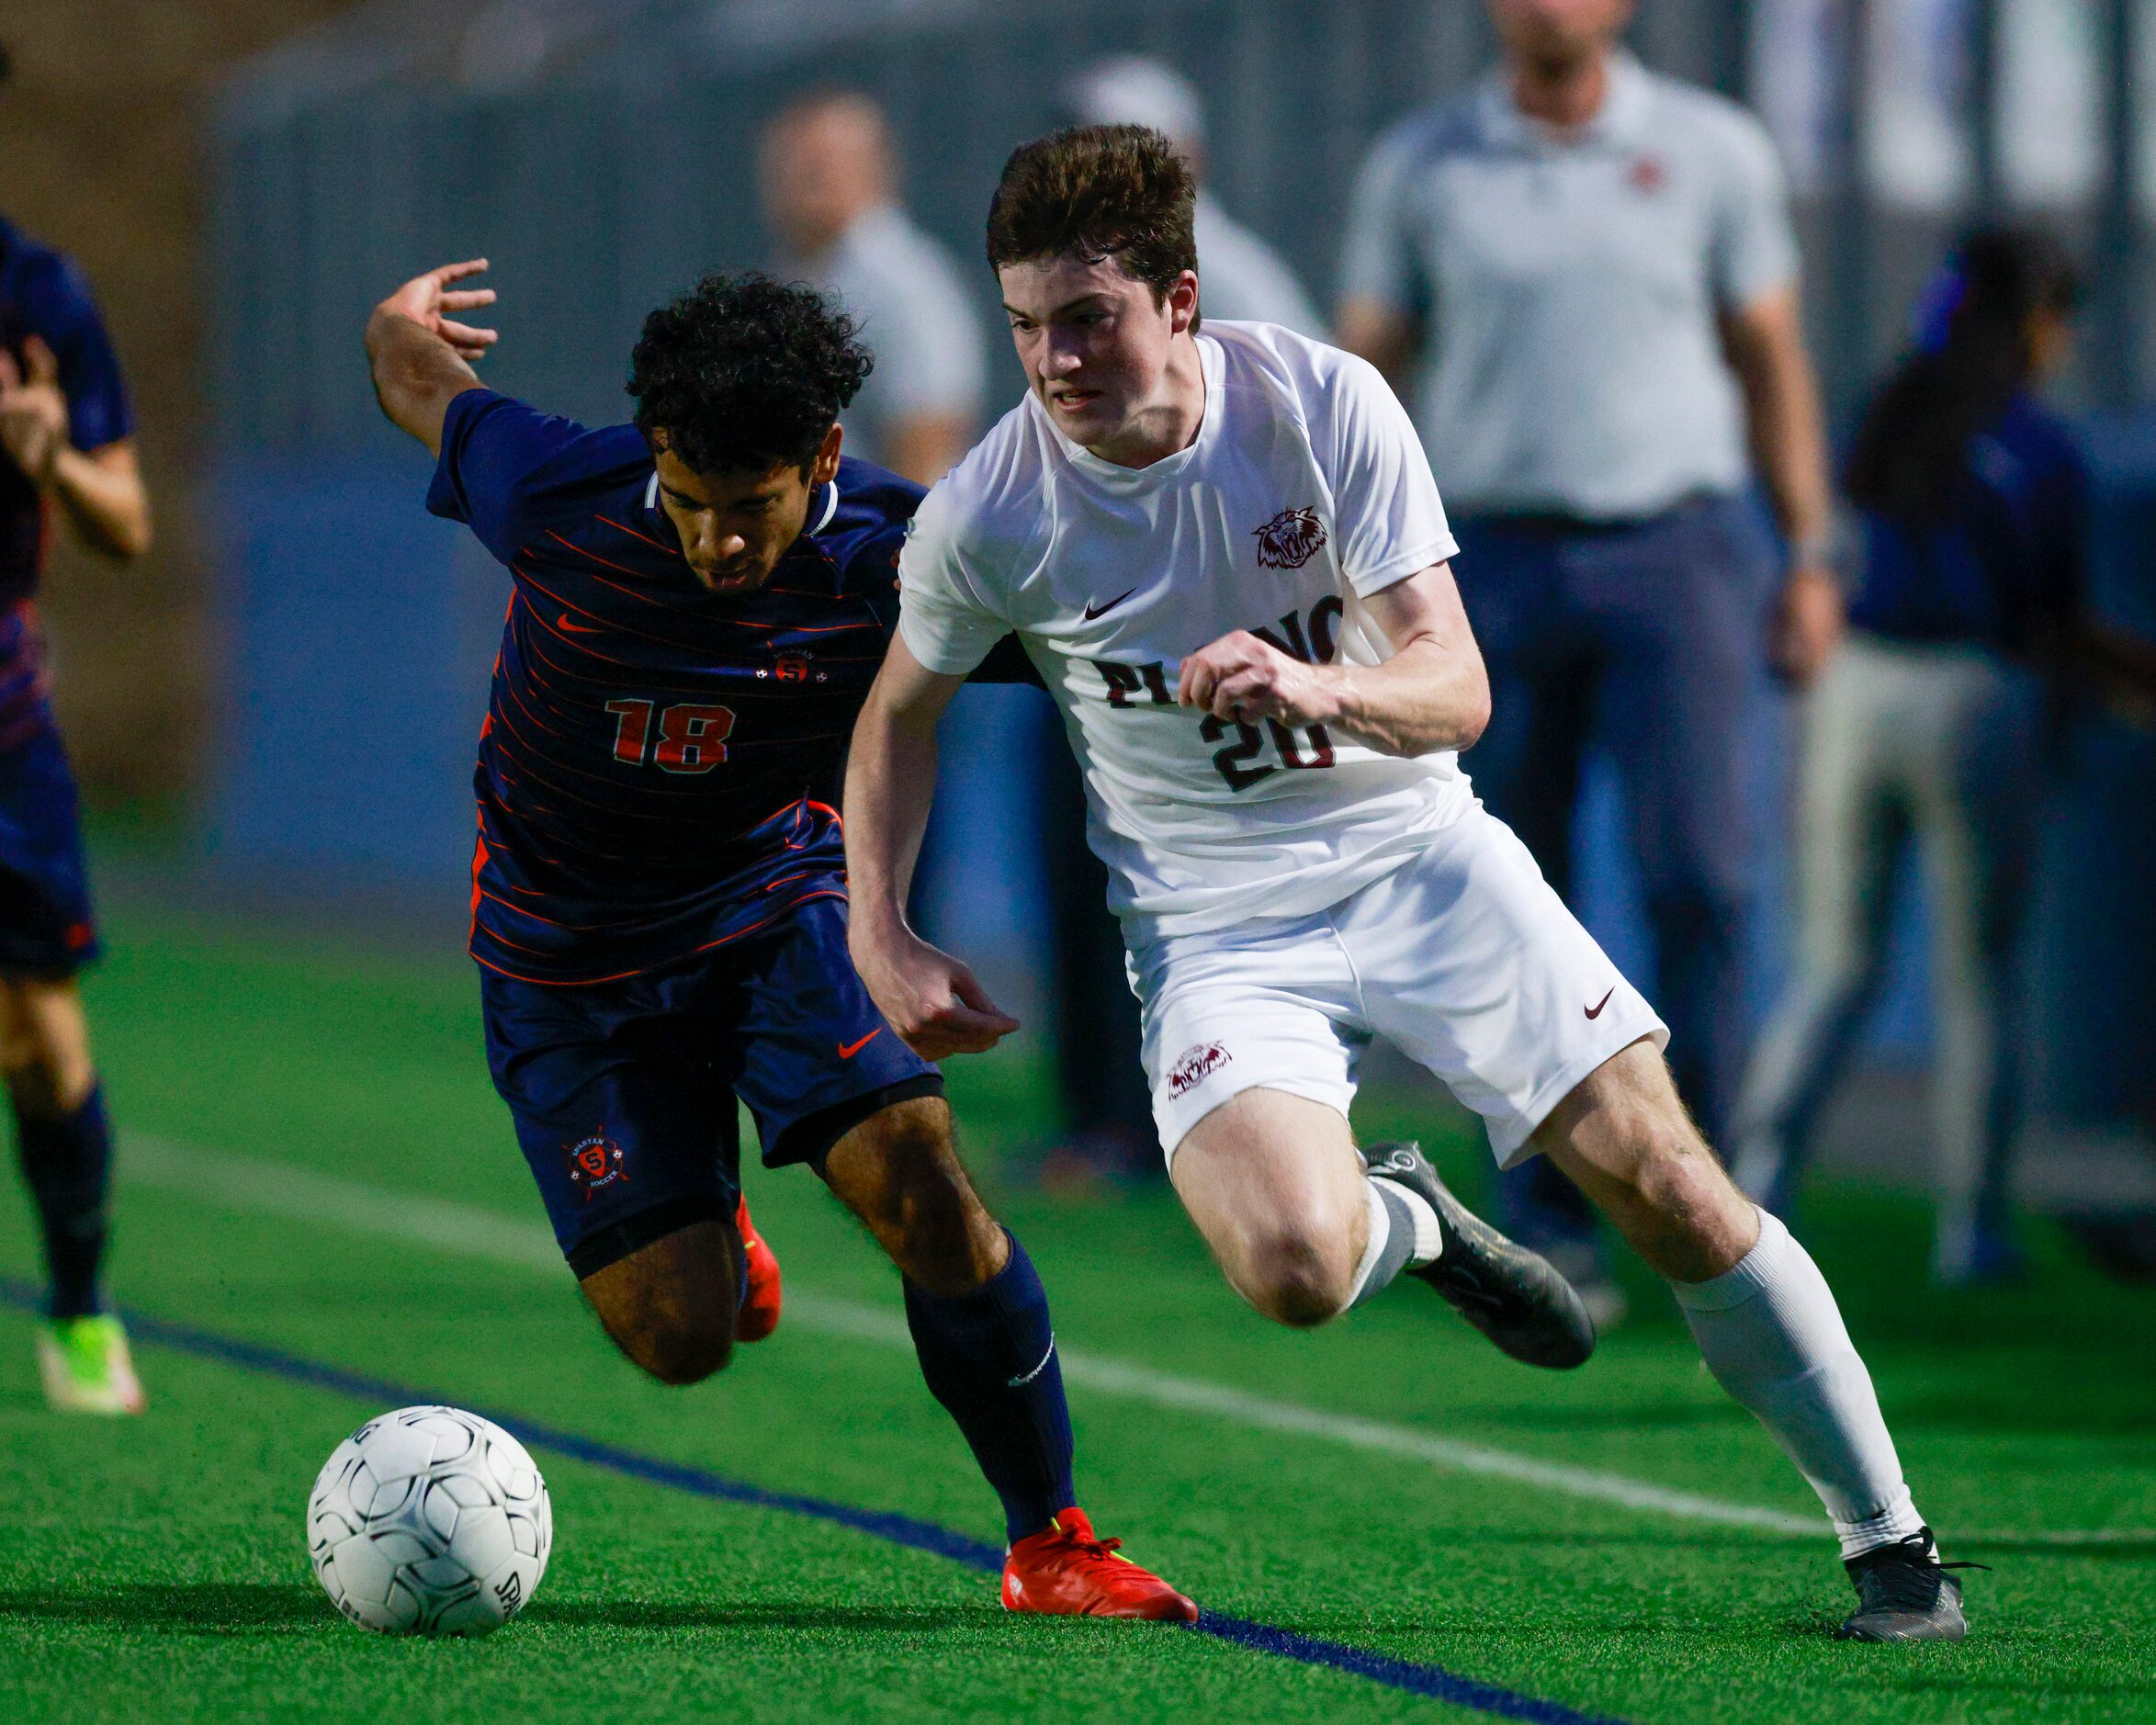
[279,1188]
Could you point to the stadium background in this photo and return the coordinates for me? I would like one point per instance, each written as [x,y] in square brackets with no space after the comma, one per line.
[274,714]
[601,152]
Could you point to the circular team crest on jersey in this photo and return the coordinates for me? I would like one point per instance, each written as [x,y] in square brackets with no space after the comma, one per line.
[1289,539]
[594,1162]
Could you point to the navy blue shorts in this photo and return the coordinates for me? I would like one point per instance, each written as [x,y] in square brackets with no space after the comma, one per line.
[46,925]
[624,1092]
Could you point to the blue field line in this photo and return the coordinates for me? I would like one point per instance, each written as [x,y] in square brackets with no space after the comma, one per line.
[1432,1681]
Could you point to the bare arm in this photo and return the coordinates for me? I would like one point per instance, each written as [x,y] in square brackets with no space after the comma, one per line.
[421,358]
[100,490]
[1433,694]
[1380,335]
[932,999]
[1766,346]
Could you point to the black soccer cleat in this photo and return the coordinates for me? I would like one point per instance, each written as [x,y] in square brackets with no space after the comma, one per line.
[1512,1295]
[1906,1593]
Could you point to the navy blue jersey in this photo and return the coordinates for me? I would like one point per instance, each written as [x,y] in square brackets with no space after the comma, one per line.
[659,772]
[2004,569]
[42,293]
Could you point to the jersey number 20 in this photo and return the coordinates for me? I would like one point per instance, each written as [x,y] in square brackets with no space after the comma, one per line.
[690,737]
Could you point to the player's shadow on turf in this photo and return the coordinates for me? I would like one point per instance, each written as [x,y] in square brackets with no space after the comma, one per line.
[195,1608]
[667,1614]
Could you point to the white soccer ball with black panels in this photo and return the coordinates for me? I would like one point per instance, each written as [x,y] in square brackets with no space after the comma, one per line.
[430,1521]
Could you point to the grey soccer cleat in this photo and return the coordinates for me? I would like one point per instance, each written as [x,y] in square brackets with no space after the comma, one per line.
[1512,1295]
[1905,1594]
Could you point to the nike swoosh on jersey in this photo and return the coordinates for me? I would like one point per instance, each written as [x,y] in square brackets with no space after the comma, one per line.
[1094,613]
[1595,1011]
[848,1050]
[578,628]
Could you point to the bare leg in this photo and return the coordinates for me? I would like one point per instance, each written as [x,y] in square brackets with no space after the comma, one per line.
[1763,1315]
[669,1305]
[1275,1186]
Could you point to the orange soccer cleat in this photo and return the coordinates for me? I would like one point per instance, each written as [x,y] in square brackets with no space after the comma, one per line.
[1067,1573]
[759,1314]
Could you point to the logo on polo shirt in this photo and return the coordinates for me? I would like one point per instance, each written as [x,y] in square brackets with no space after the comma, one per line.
[1648,175]
[1289,539]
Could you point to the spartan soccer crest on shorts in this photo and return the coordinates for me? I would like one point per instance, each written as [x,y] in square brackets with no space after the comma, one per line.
[1289,539]
[594,1162]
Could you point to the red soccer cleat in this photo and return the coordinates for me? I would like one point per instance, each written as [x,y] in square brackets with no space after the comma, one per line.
[1066,1572]
[759,1314]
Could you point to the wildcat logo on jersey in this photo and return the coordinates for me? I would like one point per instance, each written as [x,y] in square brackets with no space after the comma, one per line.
[1289,539]
[595,1162]
[1194,1064]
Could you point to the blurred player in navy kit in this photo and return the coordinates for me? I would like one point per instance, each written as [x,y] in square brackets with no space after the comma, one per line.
[700,601]
[67,452]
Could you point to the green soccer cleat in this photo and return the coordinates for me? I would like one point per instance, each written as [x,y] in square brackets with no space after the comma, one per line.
[87,1368]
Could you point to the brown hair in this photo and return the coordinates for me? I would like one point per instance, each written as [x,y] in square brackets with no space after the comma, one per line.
[1098,191]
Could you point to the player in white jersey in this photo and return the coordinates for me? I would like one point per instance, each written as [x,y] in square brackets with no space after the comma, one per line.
[1222,549]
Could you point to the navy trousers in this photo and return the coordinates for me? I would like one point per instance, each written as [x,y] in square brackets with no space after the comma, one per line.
[1646,639]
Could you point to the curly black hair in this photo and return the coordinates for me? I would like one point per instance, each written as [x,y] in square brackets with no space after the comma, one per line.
[743,372]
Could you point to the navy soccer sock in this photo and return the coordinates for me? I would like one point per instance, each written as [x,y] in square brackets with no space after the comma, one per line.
[990,1357]
[67,1163]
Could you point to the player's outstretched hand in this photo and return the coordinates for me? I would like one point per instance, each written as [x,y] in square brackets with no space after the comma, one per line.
[1241,678]
[428,299]
[33,410]
[932,999]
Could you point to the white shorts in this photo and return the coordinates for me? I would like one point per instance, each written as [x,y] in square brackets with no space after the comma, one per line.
[1464,957]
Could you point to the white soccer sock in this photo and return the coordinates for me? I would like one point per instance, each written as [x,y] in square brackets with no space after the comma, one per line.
[1774,1339]
[1404,1234]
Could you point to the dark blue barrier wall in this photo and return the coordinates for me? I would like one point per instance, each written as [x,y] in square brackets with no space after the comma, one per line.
[360,630]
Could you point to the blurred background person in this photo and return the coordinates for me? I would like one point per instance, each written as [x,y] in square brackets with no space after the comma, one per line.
[1245,279]
[1108,1129]
[829,191]
[67,450]
[1928,730]
[1587,275]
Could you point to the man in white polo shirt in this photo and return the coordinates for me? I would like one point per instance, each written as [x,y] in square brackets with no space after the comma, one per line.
[1584,276]
[830,195]
[1222,547]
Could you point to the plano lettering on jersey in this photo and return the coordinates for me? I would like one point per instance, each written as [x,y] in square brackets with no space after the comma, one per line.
[1245,758]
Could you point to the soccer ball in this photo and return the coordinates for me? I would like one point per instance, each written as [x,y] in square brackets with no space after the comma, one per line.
[430,1521]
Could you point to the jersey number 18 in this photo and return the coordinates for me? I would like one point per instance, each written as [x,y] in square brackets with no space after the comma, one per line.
[689,736]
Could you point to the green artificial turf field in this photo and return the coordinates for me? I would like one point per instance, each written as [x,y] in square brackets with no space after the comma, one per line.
[314,1163]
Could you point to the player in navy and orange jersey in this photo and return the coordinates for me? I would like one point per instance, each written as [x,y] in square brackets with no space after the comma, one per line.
[67,452]
[700,602]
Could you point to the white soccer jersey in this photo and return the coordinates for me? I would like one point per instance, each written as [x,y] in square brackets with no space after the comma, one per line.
[1306,490]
